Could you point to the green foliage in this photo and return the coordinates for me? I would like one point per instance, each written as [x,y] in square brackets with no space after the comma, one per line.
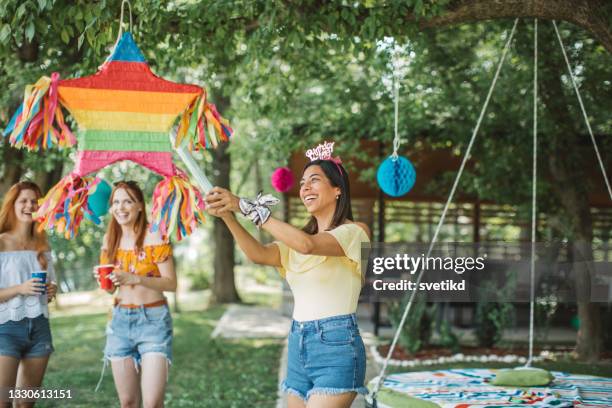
[75,258]
[200,280]
[290,76]
[545,309]
[493,317]
[417,330]
[491,320]
[448,339]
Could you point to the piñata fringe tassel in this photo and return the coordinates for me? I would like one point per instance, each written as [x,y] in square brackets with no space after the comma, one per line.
[32,126]
[65,204]
[203,126]
[177,206]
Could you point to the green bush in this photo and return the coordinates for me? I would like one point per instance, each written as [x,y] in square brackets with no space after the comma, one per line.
[491,320]
[199,280]
[448,339]
[544,309]
[417,329]
[493,317]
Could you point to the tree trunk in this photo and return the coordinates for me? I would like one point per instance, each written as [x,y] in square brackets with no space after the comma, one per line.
[13,170]
[566,167]
[224,287]
[47,179]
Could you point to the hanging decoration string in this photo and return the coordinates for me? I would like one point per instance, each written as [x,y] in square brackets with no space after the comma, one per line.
[396,86]
[444,211]
[534,181]
[396,175]
[584,114]
[123,3]
[120,31]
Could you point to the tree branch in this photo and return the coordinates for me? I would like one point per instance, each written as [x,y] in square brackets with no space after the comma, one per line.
[588,14]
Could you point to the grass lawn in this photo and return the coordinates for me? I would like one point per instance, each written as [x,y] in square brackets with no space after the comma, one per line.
[205,373]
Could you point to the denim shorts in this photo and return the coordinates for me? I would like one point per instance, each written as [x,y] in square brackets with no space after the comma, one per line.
[135,332]
[325,356]
[26,338]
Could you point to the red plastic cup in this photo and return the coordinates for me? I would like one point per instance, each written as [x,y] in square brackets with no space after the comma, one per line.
[103,276]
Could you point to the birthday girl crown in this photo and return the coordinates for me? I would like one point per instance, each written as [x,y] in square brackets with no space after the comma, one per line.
[323,152]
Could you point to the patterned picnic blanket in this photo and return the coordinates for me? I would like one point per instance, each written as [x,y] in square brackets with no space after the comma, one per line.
[470,388]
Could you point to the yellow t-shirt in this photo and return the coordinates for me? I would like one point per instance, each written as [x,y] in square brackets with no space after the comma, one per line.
[325,286]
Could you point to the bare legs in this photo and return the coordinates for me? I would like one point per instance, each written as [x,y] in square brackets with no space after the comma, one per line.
[30,374]
[153,379]
[126,382]
[25,373]
[331,401]
[322,401]
[149,386]
[8,375]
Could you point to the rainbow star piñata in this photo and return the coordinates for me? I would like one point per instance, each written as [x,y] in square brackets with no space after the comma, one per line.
[123,112]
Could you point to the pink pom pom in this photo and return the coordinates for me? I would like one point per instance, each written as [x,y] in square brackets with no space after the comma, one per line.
[282,179]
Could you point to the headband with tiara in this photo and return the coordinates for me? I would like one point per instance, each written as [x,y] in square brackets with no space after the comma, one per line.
[324,152]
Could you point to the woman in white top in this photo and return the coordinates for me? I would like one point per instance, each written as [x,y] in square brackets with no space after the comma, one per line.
[322,264]
[25,335]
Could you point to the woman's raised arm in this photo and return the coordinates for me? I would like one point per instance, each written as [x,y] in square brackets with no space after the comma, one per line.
[223,203]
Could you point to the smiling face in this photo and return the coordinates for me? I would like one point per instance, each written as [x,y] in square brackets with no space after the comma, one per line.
[317,192]
[124,207]
[25,204]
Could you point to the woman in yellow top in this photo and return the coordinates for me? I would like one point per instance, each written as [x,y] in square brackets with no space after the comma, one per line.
[139,336]
[322,264]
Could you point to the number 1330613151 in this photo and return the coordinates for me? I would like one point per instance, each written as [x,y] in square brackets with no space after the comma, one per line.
[33,394]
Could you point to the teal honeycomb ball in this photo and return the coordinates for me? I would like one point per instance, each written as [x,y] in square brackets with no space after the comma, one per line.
[396,176]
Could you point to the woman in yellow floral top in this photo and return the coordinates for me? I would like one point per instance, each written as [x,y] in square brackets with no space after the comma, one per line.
[139,336]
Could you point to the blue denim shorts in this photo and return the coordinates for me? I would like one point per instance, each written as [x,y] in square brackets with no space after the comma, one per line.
[135,332]
[325,356]
[26,338]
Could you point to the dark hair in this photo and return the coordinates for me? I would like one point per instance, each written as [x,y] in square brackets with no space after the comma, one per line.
[338,177]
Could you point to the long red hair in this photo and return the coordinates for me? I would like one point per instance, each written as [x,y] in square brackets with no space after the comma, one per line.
[8,218]
[113,233]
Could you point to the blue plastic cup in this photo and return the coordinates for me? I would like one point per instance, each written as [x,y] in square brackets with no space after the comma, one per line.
[42,278]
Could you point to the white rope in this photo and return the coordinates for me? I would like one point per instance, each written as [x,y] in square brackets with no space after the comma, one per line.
[396,139]
[396,86]
[444,211]
[534,181]
[584,114]
[123,3]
